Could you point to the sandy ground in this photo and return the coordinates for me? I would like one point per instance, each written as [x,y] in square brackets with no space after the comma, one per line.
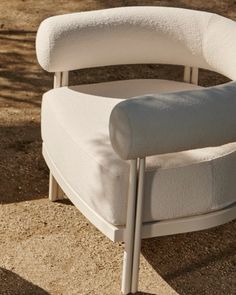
[50,248]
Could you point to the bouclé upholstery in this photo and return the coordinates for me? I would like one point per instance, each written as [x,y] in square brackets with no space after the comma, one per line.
[130,35]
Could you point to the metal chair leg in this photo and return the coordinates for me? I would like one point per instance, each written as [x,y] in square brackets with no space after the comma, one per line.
[55,191]
[129,232]
[138,226]
[133,228]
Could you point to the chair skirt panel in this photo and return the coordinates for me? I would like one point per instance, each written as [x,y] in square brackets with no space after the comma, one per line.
[75,134]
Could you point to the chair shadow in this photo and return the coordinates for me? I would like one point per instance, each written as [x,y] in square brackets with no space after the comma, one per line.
[13,284]
[65,202]
[144,293]
[196,263]
[24,175]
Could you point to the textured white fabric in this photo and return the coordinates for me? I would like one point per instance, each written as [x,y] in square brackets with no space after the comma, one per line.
[75,133]
[130,35]
[165,123]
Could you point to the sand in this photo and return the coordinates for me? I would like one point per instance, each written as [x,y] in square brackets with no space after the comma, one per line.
[50,248]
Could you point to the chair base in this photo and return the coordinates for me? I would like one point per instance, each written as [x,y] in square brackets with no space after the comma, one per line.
[149,230]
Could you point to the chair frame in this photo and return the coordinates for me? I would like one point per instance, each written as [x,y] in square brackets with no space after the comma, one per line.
[135,229]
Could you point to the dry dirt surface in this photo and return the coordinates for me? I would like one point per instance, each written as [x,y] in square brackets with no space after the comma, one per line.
[50,248]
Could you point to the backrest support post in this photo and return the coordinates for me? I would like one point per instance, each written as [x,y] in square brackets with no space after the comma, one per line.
[187,74]
[65,79]
[61,79]
[191,75]
[194,76]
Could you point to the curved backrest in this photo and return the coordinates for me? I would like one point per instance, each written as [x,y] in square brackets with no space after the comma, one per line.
[131,35]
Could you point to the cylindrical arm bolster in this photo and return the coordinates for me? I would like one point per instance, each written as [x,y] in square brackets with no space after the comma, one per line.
[165,123]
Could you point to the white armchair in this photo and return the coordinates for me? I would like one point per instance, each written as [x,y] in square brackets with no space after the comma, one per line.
[158,164]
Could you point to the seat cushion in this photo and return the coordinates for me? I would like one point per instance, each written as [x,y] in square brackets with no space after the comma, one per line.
[76,136]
